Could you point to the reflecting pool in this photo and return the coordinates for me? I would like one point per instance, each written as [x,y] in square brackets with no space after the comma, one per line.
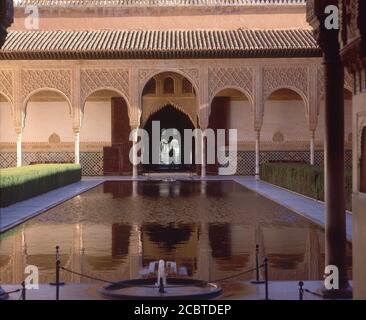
[209,228]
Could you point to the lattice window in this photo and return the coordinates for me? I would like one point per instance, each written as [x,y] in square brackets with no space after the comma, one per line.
[168,87]
[186,86]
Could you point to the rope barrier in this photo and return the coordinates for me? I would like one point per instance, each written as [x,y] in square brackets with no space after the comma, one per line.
[59,267]
[237,275]
[152,286]
[10,292]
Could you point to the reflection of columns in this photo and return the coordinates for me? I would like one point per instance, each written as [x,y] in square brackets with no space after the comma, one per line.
[312,261]
[19,146]
[204,254]
[135,251]
[77,145]
[257,153]
[312,147]
[203,156]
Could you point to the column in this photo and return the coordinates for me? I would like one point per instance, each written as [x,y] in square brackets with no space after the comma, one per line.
[335,227]
[257,153]
[203,156]
[77,145]
[134,154]
[312,147]
[335,217]
[19,132]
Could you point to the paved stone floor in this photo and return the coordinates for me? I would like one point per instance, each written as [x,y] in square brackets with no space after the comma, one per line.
[278,290]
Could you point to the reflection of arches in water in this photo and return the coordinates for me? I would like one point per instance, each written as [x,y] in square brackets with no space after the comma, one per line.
[120,240]
[169,117]
[220,240]
[169,236]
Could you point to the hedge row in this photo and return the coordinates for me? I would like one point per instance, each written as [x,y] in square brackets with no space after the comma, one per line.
[302,178]
[17,184]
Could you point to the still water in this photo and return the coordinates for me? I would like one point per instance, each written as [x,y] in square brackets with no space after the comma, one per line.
[209,229]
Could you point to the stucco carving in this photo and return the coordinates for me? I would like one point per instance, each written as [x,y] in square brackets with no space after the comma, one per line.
[221,78]
[34,79]
[285,77]
[6,84]
[94,79]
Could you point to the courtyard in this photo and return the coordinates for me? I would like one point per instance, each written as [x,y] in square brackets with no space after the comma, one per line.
[87,203]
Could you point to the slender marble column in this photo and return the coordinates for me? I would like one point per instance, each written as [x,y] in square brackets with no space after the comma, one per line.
[257,153]
[77,145]
[19,148]
[312,147]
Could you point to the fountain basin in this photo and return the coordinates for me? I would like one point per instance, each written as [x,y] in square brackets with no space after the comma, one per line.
[176,288]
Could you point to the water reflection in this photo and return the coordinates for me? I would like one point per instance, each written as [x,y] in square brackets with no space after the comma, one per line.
[210,229]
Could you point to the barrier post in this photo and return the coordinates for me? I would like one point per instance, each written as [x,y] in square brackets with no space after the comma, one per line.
[23,291]
[57,282]
[161,286]
[257,281]
[266,277]
[301,290]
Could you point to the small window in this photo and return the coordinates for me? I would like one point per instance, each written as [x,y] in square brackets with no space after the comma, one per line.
[150,87]
[168,86]
[187,86]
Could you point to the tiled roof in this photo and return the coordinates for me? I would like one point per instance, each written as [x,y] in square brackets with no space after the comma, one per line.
[158,44]
[109,3]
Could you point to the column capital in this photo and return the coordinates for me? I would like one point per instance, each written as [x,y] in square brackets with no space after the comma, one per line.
[18,130]
[76,130]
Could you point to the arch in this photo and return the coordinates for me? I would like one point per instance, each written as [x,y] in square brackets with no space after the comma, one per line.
[162,106]
[299,92]
[241,90]
[154,73]
[289,101]
[9,100]
[26,100]
[171,73]
[296,90]
[180,121]
[117,91]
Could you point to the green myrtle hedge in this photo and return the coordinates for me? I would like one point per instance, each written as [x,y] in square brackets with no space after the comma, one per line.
[17,184]
[302,178]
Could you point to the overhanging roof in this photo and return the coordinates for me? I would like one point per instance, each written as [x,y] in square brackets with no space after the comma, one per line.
[141,44]
[149,3]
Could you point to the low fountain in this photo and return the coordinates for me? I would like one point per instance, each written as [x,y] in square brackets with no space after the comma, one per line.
[161,287]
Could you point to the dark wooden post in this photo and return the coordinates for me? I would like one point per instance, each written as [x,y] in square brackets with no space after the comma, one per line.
[335,226]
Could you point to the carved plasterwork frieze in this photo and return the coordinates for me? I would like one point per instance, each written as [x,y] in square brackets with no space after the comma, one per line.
[56,79]
[222,78]
[95,79]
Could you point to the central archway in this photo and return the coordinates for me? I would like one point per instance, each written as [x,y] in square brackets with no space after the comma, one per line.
[169,117]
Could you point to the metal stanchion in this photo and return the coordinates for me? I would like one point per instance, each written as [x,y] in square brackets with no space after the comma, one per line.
[257,280]
[161,286]
[301,290]
[23,291]
[57,283]
[266,277]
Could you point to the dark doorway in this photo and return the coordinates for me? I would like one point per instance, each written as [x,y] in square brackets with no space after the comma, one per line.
[170,118]
[116,158]
[363,162]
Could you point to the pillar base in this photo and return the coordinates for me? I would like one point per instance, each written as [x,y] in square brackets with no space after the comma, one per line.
[344,293]
[257,177]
